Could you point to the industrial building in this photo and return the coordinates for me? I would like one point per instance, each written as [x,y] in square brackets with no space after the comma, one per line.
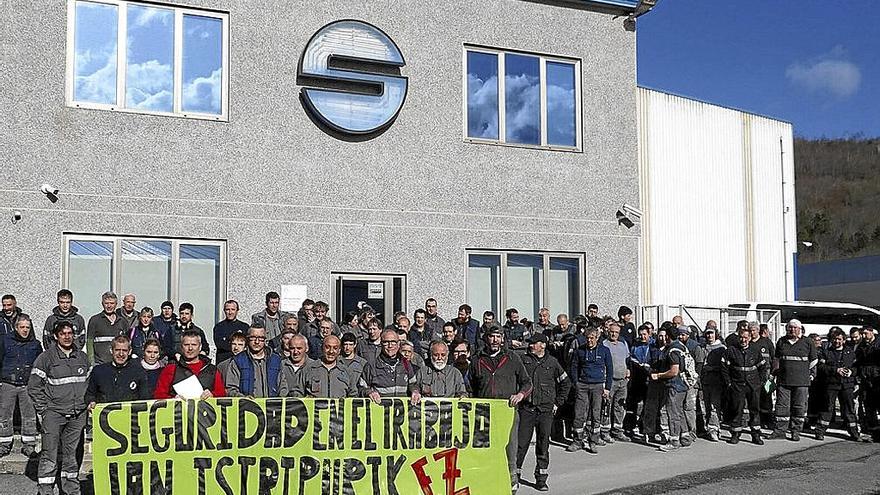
[372,151]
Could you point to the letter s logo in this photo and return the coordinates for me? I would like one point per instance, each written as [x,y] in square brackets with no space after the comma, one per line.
[349,100]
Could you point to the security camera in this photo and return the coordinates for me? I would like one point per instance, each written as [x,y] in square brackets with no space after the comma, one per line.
[624,220]
[49,190]
[16,216]
[632,211]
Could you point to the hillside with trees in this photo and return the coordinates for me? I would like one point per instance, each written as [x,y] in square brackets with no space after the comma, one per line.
[837,184]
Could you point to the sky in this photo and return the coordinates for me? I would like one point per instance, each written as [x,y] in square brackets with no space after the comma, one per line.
[813,63]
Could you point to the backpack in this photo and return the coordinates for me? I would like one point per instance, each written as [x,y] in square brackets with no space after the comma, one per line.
[690,375]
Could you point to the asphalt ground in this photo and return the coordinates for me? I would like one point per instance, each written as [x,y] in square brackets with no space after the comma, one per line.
[780,466]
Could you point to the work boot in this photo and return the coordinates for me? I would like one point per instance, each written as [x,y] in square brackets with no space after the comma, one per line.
[713,436]
[756,438]
[820,434]
[606,437]
[777,435]
[734,438]
[620,436]
[795,436]
[541,486]
[671,446]
[686,441]
[28,450]
[590,447]
[599,442]
[575,445]
[854,434]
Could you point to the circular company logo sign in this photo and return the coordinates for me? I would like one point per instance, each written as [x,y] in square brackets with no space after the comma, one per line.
[133,385]
[342,92]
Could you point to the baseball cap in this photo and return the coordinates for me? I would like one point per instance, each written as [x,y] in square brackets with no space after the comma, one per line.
[538,337]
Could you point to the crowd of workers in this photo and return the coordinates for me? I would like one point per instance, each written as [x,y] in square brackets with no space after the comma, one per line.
[584,382]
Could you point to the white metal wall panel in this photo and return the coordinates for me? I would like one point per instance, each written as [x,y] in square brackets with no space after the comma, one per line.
[771,148]
[711,194]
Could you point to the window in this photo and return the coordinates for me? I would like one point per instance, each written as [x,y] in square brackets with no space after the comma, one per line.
[536,103]
[525,281]
[154,270]
[147,58]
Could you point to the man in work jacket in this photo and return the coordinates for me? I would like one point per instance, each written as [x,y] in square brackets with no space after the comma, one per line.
[439,378]
[712,383]
[191,363]
[57,386]
[592,370]
[836,364]
[498,374]
[550,385]
[18,351]
[65,311]
[293,367]
[256,371]
[326,378]
[120,380]
[796,360]
[743,373]
[103,328]
[390,374]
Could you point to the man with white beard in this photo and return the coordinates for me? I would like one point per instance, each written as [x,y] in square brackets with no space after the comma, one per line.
[438,378]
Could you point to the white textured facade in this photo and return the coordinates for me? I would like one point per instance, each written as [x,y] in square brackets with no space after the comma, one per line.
[717,192]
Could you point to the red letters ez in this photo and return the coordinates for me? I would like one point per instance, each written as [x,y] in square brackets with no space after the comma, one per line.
[450,474]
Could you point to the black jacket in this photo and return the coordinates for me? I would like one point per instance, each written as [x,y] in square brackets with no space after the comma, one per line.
[796,362]
[74,318]
[830,360]
[111,383]
[499,376]
[17,356]
[550,383]
[743,366]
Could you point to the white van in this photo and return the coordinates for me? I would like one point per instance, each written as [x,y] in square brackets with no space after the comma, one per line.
[819,317]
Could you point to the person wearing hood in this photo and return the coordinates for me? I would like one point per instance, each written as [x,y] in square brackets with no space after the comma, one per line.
[18,351]
[166,320]
[123,379]
[9,314]
[142,331]
[65,311]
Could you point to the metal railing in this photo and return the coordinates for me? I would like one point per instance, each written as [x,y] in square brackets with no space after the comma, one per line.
[726,318]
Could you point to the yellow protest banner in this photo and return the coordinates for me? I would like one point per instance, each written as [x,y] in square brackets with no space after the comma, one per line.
[295,446]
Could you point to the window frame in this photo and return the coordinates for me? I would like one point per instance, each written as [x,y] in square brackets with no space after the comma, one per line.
[174,280]
[122,59]
[543,59]
[545,282]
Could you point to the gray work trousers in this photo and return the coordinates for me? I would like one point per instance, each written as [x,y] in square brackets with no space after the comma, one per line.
[791,407]
[588,410]
[64,432]
[9,396]
[675,413]
[690,411]
[614,421]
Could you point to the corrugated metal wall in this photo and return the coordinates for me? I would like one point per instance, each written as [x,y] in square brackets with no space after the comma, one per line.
[711,193]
